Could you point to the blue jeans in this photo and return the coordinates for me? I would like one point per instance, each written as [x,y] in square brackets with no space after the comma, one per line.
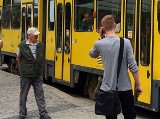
[127,103]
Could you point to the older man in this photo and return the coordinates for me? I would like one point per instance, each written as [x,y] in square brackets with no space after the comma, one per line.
[30,57]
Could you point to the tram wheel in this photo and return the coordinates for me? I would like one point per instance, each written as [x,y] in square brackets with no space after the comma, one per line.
[92,86]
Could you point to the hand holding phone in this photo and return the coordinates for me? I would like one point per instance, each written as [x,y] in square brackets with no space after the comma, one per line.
[102,32]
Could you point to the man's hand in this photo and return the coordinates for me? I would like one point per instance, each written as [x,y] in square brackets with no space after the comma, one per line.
[102,32]
[138,91]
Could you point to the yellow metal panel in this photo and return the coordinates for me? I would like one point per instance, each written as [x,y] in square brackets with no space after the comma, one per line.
[1,2]
[16,39]
[23,1]
[11,39]
[156,64]
[6,40]
[50,41]
[50,45]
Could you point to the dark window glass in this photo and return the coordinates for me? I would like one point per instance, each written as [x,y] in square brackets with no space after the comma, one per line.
[145,32]
[29,20]
[67,27]
[6,2]
[23,23]
[59,28]
[83,15]
[51,17]
[130,21]
[6,15]
[16,13]
[35,19]
[109,7]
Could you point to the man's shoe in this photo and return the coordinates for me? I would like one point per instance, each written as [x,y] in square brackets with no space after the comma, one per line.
[21,117]
[45,117]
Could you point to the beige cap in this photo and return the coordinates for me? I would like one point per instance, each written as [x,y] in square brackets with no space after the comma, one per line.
[33,31]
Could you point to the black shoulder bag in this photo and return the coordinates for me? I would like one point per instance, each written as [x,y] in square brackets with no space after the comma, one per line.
[108,102]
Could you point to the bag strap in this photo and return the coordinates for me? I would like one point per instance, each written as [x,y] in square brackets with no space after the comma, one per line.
[120,57]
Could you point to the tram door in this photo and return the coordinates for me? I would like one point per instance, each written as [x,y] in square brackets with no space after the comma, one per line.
[27,19]
[63,40]
[145,49]
[139,30]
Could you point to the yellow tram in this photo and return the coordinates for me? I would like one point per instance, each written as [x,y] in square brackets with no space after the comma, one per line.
[67,41]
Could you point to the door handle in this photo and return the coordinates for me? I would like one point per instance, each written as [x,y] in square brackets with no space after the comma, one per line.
[69,60]
[56,58]
[148,74]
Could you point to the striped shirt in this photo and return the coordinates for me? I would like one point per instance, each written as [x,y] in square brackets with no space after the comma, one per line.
[31,46]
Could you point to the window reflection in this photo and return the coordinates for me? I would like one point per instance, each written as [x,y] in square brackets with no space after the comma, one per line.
[16,13]
[145,32]
[109,7]
[51,15]
[130,21]
[67,27]
[83,15]
[59,28]
[35,21]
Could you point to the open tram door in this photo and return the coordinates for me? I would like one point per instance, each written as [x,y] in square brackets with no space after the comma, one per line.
[145,49]
[139,30]
[63,41]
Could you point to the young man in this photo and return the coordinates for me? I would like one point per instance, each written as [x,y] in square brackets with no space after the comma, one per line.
[108,48]
[30,57]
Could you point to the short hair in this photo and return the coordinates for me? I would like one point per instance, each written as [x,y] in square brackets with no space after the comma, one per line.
[108,23]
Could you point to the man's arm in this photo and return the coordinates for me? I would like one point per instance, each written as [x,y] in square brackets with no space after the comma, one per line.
[133,68]
[94,52]
[137,83]
[18,56]
[18,59]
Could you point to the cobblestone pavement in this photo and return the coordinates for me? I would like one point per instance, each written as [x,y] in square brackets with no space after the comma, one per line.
[59,104]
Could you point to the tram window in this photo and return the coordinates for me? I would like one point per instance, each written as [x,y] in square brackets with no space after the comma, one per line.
[23,22]
[16,13]
[59,28]
[29,23]
[35,19]
[109,7]
[130,21]
[158,16]
[67,27]
[51,16]
[145,32]
[6,15]
[6,2]
[83,15]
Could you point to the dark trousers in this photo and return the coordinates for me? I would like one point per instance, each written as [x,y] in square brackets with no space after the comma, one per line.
[25,84]
[127,103]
